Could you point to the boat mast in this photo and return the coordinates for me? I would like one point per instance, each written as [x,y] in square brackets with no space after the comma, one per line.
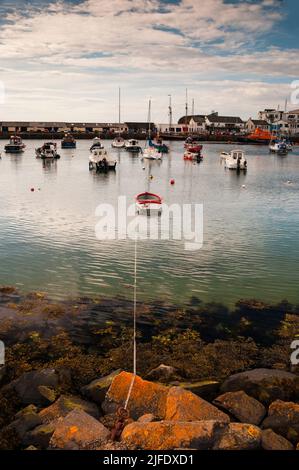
[170,113]
[186,108]
[149,118]
[192,106]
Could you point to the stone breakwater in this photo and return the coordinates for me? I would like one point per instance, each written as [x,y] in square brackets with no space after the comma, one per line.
[257,409]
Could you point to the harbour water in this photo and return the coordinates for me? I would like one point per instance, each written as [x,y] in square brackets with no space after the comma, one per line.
[251,227]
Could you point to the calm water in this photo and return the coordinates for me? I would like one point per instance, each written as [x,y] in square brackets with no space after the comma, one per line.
[251,234]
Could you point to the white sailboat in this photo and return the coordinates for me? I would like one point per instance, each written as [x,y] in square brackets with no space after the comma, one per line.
[118,142]
[150,152]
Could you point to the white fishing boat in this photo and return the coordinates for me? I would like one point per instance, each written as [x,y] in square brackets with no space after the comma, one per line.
[278,146]
[101,161]
[132,145]
[236,161]
[48,151]
[97,144]
[15,145]
[118,143]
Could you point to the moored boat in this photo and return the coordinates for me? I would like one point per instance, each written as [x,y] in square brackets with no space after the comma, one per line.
[148,203]
[97,144]
[236,161]
[132,145]
[151,153]
[68,142]
[47,151]
[101,161]
[118,143]
[15,145]
[278,146]
[159,145]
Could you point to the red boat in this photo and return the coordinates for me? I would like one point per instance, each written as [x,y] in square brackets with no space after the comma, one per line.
[194,148]
[148,202]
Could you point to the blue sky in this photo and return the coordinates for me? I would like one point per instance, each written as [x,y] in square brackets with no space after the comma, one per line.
[64,60]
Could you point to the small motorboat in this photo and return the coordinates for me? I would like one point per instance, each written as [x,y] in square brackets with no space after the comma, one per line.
[15,145]
[224,155]
[97,144]
[132,145]
[236,161]
[68,142]
[47,151]
[148,203]
[278,146]
[192,157]
[118,143]
[101,161]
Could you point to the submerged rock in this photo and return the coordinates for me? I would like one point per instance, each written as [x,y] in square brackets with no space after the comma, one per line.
[146,397]
[27,385]
[243,407]
[78,430]
[98,388]
[64,405]
[169,435]
[283,418]
[273,441]
[265,385]
[182,405]
[163,373]
[239,436]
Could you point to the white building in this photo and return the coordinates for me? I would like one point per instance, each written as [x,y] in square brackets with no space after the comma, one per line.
[271,115]
[253,124]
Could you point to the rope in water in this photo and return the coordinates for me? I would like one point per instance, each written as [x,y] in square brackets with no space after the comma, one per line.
[134,328]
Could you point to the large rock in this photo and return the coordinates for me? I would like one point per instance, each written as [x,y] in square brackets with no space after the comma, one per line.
[40,436]
[243,407]
[273,441]
[26,420]
[64,405]
[163,373]
[78,430]
[265,385]
[146,397]
[182,405]
[239,436]
[283,418]
[169,435]
[98,388]
[28,384]
[207,389]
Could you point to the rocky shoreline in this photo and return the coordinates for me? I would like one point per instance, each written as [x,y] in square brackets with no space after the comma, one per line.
[208,378]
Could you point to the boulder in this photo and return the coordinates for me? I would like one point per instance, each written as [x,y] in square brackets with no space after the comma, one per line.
[2,373]
[283,418]
[182,405]
[27,385]
[169,435]
[243,407]
[26,420]
[48,393]
[207,389]
[273,441]
[78,430]
[98,388]
[148,418]
[239,436]
[163,373]
[40,436]
[146,397]
[64,405]
[265,385]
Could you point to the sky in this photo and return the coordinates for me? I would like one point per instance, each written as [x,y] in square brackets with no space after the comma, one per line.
[65,60]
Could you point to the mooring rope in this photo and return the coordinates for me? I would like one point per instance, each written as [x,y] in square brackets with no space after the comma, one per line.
[134,328]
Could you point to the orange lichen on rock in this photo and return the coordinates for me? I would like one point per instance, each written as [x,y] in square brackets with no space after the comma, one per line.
[182,405]
[146,397]
[166,435]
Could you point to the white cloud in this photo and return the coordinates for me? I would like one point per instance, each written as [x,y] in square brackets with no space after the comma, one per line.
[64,55]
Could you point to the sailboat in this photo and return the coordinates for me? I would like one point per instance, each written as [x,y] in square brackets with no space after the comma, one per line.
[118,142]
[150,152]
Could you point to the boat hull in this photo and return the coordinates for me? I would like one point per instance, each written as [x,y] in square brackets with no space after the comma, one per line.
[68,145]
